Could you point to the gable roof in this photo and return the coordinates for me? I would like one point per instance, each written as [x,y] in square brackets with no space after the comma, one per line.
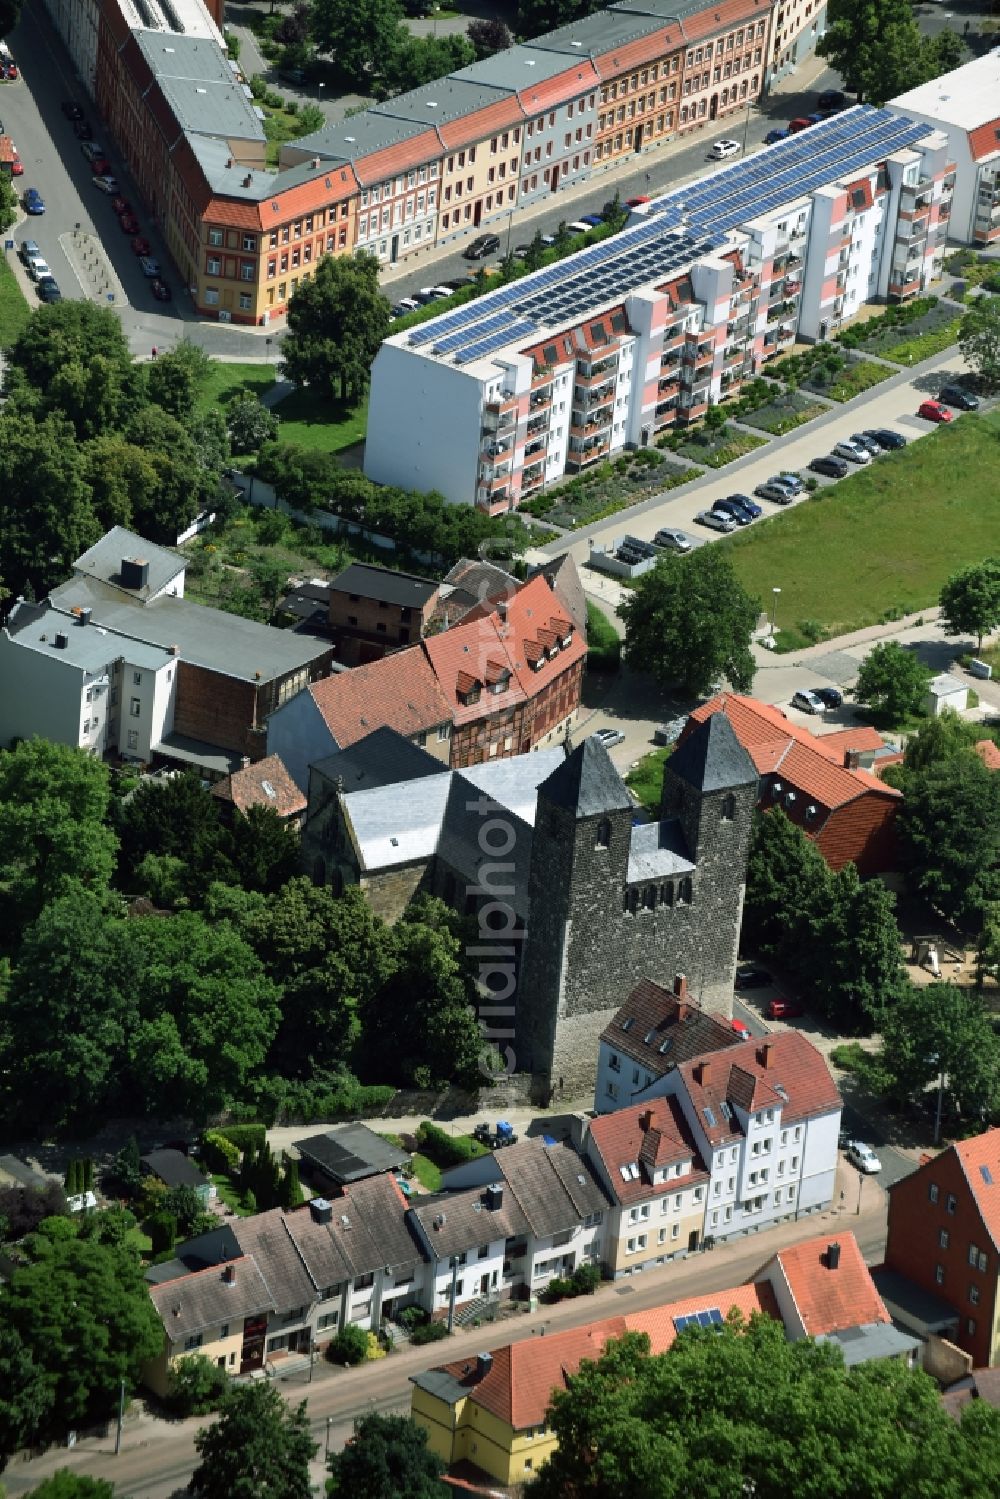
[266,783]
[381,758]
[174,1168]
[829,1300]
[711,758]
[554,1187]
[399,692]
[657,1029]
[265,1237]
[367,1231]
[786,1070]
[222,1293]
[587,783]
[103,562]
[979,1159]
[381,583]
[454,1222]
[649,1136]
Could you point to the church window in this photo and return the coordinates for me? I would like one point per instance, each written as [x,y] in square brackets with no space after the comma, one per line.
[728,808]
[603,833]
[633,901]
[649,897]
[666,895]
[684,892]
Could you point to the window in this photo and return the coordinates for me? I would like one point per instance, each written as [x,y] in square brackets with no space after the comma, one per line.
[603,833]
[971,1327]
[973,1295]
[135,707]
[952,1203]
[246,301]
[215,237]
[211,296]
[224,1332]
[133,739]
[939,1274]
[214,265]
[983,1261]
[328,1319]
[194,1341]
[728,808]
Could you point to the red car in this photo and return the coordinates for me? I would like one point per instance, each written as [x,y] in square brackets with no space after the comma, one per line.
[140,246]
[17,167]
[120,206]
[933,411]
[784,1009]
[742,1029]
[11,72]
[100,166]
[129,223]
[634,202]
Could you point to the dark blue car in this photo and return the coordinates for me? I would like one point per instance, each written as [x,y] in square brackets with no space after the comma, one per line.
[773,136]
[33,201]
[593,219]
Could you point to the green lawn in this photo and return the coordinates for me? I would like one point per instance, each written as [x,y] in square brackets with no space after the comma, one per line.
[885,539]
[923,345]
[646,780]
[14,310]
[604,648]
[311,421]
[427,1174]
[855,378]
[230,1195]
[224,380]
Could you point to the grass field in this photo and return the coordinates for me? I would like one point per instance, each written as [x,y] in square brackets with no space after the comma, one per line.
[604,648]
[884,539]
[224,380]
[307,419]
[646,780]
[923,345]
[14,310]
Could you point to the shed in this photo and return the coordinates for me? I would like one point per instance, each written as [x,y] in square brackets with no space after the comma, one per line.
[174,1169]
[349,1154]
[945,691]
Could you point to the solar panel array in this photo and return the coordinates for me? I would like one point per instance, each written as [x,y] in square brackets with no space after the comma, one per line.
[677,228]
[711,1318]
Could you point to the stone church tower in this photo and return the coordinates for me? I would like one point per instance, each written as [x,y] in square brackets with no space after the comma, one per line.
[610,903]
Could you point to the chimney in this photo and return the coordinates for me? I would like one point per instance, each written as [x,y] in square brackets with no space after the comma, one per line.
[502,608]
[61,641]
[229,164]
[852,759]
[134,572]
[484,1363]
[229,1275]
[646,1120]
[703,1072]
[680,986]
[244,762]
[85,616]
[765,1055]
[832,1256]
[248,179]
[172,650]
[494,1197]
[314,163]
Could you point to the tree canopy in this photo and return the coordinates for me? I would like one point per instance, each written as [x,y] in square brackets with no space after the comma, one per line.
[258,1449]
[949,832]
[746,1411]
[388,1459]
[360,35]
[893,682]
[970,600]
[941,1028]
[336,322]
[979,338]
[65,1484]
[690,621]
[877,48]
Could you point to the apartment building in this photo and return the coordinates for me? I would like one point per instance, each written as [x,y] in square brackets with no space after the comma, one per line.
[796,27]
[565,367]
[965,106]
[654,1030]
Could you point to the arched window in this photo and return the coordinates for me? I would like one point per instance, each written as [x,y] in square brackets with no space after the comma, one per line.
[603,833]
[684,893]
[649,898]
[728,807]
[666,895]
[319,872]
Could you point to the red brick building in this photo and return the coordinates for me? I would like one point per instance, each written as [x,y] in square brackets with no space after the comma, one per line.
[825,783]
[944,1236]
[374,610]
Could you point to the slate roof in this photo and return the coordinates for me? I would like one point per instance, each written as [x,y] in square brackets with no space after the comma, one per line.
[457,1221]
[563,578]
[785,1060]
[399,692]
[382,758]
[677,1029]
[266,1238]
[350,1152]
[381,583]
[205,1298]
[174,1168]
[587,783]
[711,757]
[650,1135]
[827,1300]
[658,849]
[470,583]
[554,1187]
[367,1231]
[266,783]
[103,561]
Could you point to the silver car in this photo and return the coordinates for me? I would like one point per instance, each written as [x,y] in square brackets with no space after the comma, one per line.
[852,451]
[673,541]
[716,521]
[808,702]
[861,1155]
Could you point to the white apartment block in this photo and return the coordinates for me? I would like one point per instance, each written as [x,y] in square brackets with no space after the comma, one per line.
[796,27]
[564,368]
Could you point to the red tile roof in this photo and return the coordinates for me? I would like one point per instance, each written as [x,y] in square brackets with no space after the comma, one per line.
[989,753]
[651,1135]
[546,93]
[249,788]
[472,128]
[980,1161]
[653,1012]
[982,140]
[827,1300]
[399,692]
[786,1060]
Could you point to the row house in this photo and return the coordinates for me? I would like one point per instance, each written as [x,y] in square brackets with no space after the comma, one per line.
[724,61]
[796,27]
[643,332]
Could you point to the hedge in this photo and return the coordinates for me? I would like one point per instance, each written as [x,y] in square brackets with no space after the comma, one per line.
[444,1149]
[219,1153]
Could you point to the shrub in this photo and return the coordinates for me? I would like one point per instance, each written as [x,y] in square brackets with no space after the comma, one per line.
[583,1282]
[195,1385]
[429,1332]
[349,1347]
[444,1149]
[245,1136]
[162,1230]
[218,1153]
[374,1347]
[413,1316]
[812,630]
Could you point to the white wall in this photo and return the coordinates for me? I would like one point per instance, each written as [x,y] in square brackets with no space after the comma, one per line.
[424,424]
[40,696]
[819,1161]
[164,701]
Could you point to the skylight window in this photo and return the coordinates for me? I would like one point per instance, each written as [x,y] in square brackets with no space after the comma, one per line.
[987,1175]
[628,1022]
[650,1037]
[709,1118]
[666,1045]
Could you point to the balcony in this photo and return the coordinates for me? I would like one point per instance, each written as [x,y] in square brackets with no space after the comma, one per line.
[541,398]
[536,447]
[582,457]
[673,340]
[587,396]
[536,425]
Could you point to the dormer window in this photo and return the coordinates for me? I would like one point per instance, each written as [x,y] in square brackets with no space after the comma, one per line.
[470,696]
[500,685]
[468,688]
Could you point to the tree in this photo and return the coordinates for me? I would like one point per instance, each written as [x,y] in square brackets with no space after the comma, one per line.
[196,1385]
[892,681]
[939,738]
[349,1347]
[360,34]
[183,1204]
[53,804]
[185,484]
[10,14]
[535,16]
[941,1029]
[690,621]
[25,1397]
[122,480]
[295,27]
[416,60]
[949,832]
[22,1209]
[175,817]
[488,34]
[265,850]
[615,213]
[250,422]
[8,199]
[743,1410]
[979,338]
[388,1459]
[82,1308]
[875,46]
[336,322]
[258,1449]
[302,478]
[970,600]
[46,518]
[65,1484]
[536,252]
[125,1174]
[174,379]
[68,333]
[857,965]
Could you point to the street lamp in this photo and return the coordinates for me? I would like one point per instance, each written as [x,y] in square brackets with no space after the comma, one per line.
[774,605]
[746,126]
[321,88]
[326,1450]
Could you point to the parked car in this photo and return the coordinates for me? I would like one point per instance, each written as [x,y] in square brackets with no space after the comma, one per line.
[481,246]
[140,246]
[592,220]
[408,304]
[723,150]
[778,494]
[834,468]
[716,521]
[733,509]
[129,224]
[954,395]
[292,76]
[773,136]
[673,541]
[636,202]
[149,267]
[100,166]
[784,1009]
[886,438]
[579,226]
[750,506]
[852,451]
[609,737]
[107,184]
[91,150]
[741,1028]
[37,268]
[161,291]
[873,448]
[11,73]
[48,289]
[801,123]
[34,203]
[861,1155]
[82,130]
[831,100]
[788,481]
[71,110]
[16,164]
[429,294]
[933,411]
[521,252]
[750,976]
[832,697]
[120,206]
[28,250]
[808,702]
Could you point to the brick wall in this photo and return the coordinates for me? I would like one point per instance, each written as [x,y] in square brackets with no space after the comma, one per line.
[220,710]
[391,892]
[365,629]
